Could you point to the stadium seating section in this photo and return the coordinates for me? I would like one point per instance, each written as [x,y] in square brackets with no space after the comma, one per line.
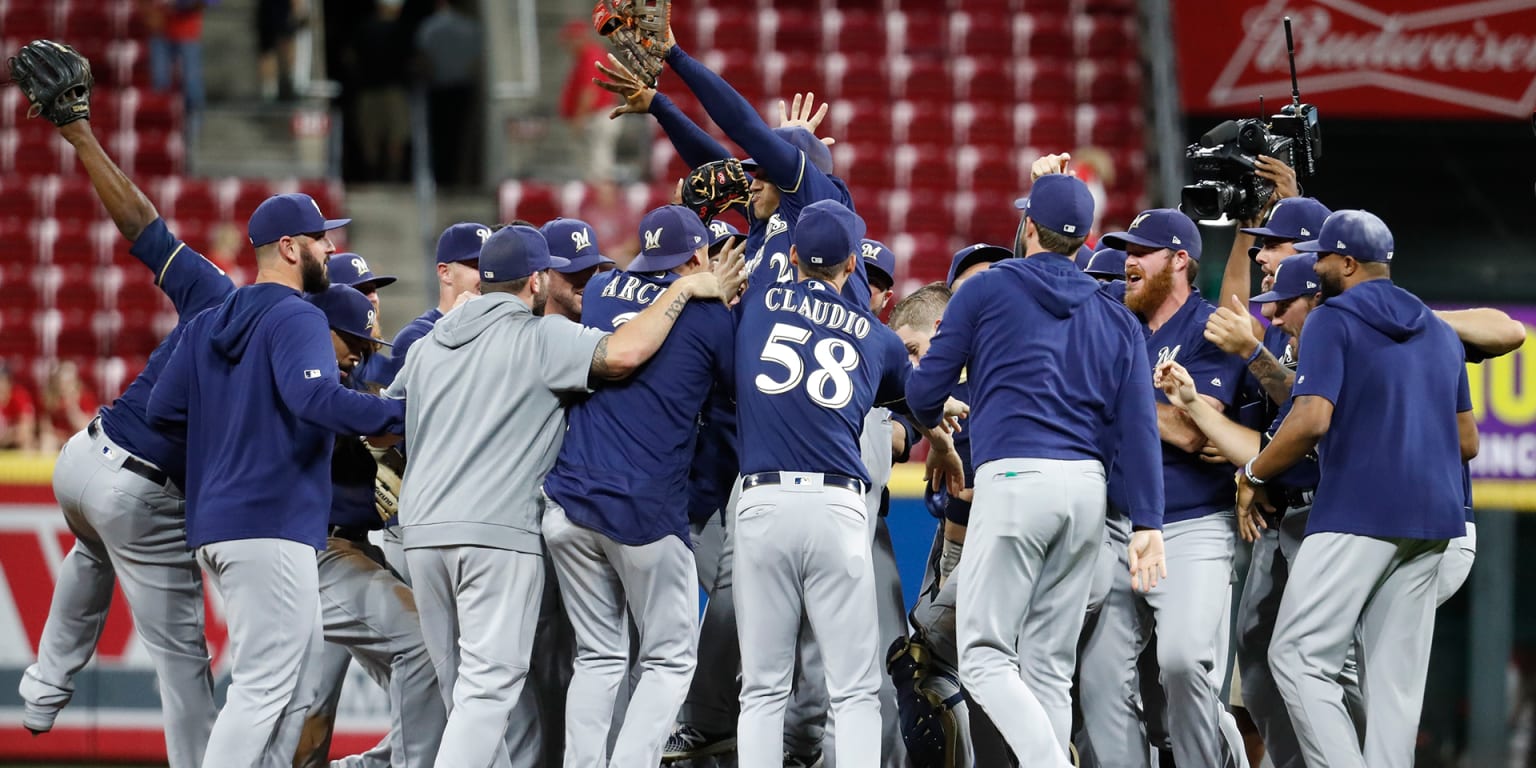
[937,111]
[68,287]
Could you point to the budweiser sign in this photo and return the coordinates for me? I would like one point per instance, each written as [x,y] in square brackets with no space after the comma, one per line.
[1405,58]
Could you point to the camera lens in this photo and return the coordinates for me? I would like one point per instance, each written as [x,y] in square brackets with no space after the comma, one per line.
[1207,199]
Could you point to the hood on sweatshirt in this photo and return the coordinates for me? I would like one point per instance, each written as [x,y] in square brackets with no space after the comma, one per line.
[465,324]
[1055,284]
[236,319]
[1392,311]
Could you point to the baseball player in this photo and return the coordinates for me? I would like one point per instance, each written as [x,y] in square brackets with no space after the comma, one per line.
[1106,265]
[255,385]
[574,241]
[1192,607]
[473,545]
[366,611]
[352,270]
[458,254]
[1376,362]
[802,541]
[1041,447]
[119,483]
[616,539]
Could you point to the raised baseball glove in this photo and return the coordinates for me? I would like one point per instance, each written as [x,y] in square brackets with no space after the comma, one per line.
[56,79]
[638,31]
[714,187]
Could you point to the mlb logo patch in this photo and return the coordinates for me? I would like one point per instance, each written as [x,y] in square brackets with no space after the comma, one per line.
[312,373]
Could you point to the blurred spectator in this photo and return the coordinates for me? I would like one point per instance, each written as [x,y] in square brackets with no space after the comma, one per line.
[176,40]
[382,74]
[612,222]
[226,243]
[449,46]
[18,417]
[586,105]
[276,21]
[67,406]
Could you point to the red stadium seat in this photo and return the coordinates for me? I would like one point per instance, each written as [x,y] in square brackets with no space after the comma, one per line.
[866,129]
[1047,36]
[1039,81]
[978,33]
[157,153]
[249,193]
[736,30]
[797,33]
[75,200]
[1104,37]
[917,32]
[27,21]
[859,34]
[32,155]
[1045,125]
[529,200]
[326,192]
[924,80]
[19,200]
[196,200]
[873,167]
[151,111]
[1108,83]
[90,20]
[18,337]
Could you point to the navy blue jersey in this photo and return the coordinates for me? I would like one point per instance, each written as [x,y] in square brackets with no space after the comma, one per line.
[811,364]
[193,284]
[1396,375]
[624,464]
[1020,330]
[1303,475]
[381,369]
[716,459]
[1193,487]
[254,383]
[353,470]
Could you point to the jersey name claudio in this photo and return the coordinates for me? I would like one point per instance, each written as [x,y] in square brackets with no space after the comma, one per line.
[825,313]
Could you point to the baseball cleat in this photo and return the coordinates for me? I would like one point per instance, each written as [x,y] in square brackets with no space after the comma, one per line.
[803,761]
[688,742]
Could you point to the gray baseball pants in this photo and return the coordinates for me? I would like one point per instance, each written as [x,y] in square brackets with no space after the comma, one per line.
[1268,572]
[1189,610]
[271,594]
[1385,591]
[1037,527]
[129,529]
[803,547]
[713,700]
[605,583]
[479,607]
[372,614]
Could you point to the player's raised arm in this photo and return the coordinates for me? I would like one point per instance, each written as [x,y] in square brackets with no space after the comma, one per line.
[734,114]
[129,208]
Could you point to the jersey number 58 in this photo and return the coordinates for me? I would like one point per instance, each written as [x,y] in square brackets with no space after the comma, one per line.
[836,358]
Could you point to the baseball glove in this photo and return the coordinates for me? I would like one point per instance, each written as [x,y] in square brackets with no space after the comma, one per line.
[56,79]
[714,187]
[638,31]
[386,484]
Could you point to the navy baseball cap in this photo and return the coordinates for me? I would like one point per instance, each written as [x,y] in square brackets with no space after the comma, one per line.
[971,255]
[351,269]
[514,253]
[1107,262]
[461,242]
[281,216]
[1294,218]
[879,261]
[828,233]
[1084,255]
[720,231]
[1158,228]
[1060,203]
[669,235]
[1295,276]
[805,141]
[573,241]
[1358,234]
[347,311]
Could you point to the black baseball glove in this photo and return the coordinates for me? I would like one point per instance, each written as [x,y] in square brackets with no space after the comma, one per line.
[56,79]
[714,187]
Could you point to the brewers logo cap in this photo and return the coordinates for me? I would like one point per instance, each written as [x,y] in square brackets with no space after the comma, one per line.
[669,235]
[351,269]
[574,241]
[281,216]
[1294,218]
[1358,234]
[347,311]
[1158,228]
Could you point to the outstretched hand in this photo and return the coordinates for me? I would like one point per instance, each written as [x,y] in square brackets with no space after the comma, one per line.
[637,95]
[804,115]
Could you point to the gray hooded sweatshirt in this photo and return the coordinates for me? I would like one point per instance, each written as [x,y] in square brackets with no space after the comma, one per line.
[484,421]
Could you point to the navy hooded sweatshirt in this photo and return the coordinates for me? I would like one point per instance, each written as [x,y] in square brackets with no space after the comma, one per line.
[255,382]
[1056,370]
[1396,375]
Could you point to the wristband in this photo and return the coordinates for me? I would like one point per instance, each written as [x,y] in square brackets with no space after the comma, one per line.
[1249,476]
[1258,349]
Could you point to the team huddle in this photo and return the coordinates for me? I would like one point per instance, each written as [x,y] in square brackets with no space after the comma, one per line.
[506,514]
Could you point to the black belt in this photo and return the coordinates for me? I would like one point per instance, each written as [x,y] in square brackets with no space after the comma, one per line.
[830,480]
[1294,498]
[141,468]
[348,532]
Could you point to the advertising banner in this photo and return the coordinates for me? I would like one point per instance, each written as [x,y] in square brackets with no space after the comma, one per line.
[1360,58]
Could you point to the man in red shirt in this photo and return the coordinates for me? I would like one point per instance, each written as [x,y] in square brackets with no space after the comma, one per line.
[586,105]
[176,37]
